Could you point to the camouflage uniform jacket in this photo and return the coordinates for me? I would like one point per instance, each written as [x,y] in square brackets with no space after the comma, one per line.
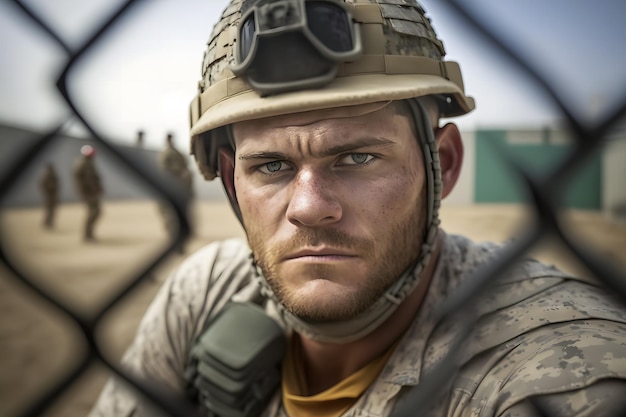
[540,332]
[49,182]
[86,178]
[174,163]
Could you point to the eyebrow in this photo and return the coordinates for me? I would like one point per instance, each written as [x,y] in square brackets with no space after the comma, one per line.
[333,150]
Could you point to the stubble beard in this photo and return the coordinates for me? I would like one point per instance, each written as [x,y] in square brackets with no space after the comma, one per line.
[402,243]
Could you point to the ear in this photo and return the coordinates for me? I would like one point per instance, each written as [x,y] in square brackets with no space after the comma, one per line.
[227,174]
[450,147]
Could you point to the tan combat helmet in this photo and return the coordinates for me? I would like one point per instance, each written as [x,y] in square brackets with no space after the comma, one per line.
[399,57]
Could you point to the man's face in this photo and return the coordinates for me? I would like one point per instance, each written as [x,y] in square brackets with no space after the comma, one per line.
[332,203]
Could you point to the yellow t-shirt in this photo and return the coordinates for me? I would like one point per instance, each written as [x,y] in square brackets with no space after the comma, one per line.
[332,402]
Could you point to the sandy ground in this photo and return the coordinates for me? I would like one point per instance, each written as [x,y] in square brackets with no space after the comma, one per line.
[38,342]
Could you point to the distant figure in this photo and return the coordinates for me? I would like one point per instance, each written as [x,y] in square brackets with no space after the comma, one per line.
[49,187]
[139,142]
[88,187]
[174,163]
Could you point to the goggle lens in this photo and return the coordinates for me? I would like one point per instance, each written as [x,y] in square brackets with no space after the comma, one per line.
[284,44]
[330,24]
[304,59]
[246,36]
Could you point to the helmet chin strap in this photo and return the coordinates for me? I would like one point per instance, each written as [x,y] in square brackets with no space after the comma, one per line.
[346,331]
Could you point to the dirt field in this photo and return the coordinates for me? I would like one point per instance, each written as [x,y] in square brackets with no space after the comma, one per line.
[38,342]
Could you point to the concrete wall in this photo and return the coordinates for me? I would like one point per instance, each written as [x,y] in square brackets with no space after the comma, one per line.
[118,181]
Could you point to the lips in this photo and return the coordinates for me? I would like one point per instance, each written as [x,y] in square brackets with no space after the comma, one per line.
[319,253]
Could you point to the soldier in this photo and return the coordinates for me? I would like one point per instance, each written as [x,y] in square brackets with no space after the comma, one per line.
[174,164]
[49,187]
[89,188]
[139,140]
[322,120]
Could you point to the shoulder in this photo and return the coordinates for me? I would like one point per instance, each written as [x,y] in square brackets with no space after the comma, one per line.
[530,295]
[165,153]
[193,293]
[209,277]
[219,255]
[201,285]
[464,257]
[564,361]
[225,260]
[538,328]
[559,342]
[560,359]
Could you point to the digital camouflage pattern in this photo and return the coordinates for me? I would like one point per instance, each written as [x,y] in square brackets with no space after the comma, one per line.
[541,334]
[89,189]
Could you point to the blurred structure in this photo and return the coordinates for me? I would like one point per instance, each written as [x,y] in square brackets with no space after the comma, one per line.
[49,187]
[88,187]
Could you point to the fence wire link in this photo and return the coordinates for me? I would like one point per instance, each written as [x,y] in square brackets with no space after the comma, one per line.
[545,191]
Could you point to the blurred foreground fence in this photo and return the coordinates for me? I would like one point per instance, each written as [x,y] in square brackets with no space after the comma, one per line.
[546,192]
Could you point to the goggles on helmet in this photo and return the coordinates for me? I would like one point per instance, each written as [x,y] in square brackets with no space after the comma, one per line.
[287,45]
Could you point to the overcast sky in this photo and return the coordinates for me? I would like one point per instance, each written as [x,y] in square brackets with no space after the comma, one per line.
[144,74]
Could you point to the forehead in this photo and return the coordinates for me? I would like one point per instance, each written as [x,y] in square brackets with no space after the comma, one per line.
[379,116]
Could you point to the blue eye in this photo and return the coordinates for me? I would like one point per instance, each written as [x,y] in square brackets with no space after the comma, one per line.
[272,167]
[356,159]
[359,158]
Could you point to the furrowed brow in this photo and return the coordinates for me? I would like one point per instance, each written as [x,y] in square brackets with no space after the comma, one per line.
[330,151]
[261,155]
[356,145]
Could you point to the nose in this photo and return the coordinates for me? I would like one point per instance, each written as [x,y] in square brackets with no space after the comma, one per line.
[313,202]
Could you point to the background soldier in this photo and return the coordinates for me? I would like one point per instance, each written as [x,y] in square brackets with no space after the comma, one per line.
[174,164]
[49,187]
[139,140]
[88,187]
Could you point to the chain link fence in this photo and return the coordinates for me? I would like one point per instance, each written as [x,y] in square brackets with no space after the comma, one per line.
[546,192]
